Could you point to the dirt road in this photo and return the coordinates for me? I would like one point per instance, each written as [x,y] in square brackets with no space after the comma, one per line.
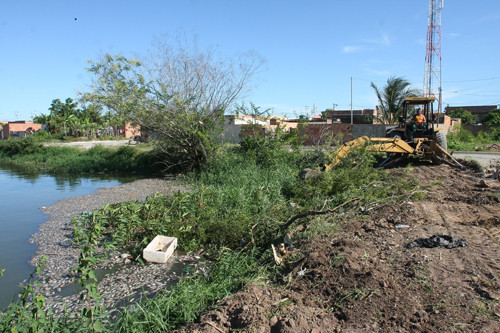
[485,158]
[364,278]
[90,144]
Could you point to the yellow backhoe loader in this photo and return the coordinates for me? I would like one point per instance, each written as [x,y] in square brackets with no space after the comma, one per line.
[416,134]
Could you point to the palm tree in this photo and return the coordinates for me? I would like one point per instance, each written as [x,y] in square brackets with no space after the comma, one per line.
[391,98]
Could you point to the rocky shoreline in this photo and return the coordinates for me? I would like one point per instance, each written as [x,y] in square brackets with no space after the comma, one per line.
[128,280]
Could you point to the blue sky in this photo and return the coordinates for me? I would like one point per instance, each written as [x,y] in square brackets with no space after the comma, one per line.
[312,48]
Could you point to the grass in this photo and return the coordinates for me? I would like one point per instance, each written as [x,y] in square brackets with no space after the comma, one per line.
[30,155]
[191,296]
[464,140]
[241,197]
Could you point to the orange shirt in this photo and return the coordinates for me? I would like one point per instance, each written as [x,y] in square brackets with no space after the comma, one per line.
[419,119]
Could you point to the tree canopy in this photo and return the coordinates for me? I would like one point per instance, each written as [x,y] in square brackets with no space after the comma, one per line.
[66,118]
[466,116]
[391,98]
[178,93]
[492,118]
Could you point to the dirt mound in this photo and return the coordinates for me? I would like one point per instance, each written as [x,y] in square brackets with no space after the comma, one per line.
[363,278]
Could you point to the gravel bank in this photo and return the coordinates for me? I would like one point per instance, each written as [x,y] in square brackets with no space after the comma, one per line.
[54,241]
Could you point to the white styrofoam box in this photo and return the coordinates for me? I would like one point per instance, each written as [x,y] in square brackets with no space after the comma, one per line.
[160,249]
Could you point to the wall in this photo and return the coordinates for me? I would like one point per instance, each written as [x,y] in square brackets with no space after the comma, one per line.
[369,130]
[319,133]
[132,131]
[476,128]
[18,129]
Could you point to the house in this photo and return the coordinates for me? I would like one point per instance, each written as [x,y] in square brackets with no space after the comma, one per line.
[480,111]
[235,124]
[19,129]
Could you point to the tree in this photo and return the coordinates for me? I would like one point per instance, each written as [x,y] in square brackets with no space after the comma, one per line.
[464,115]
[391,98]
[178,93]
[492,118]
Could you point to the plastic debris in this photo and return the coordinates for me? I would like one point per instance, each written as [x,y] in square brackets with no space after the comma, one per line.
[438,241]
[402,226]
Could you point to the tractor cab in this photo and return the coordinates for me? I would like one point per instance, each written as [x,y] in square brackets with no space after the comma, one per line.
[416,120]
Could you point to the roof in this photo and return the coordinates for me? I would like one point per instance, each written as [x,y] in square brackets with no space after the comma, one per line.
[419,100]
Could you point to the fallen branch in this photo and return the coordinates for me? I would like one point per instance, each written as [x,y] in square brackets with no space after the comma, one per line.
[314,212]
[213,325]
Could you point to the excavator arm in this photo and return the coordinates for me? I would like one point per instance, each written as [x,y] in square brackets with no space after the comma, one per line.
[393,146]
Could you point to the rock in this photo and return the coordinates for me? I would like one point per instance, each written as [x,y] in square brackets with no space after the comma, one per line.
[309,173]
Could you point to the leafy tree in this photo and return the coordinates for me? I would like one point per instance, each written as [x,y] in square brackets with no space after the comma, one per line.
[391,98]
[66,118]
[492,118]
[178,93]
[466,116]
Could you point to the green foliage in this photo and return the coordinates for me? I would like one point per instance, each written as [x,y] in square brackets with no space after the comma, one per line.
[67,119]
[355,178]
[466,116]
[463,139]
[24,146]
[492,118]
[237,196]
[29,154]
[187,300]
[391,98]
[233,198]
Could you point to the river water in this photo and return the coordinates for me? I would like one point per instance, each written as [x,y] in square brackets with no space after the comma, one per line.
[21,196]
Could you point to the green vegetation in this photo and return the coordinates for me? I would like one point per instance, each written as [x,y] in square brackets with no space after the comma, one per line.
[66,119]
[391,98]
[464,115]
[29,153]
[237,205]
[492,118]
[463,139]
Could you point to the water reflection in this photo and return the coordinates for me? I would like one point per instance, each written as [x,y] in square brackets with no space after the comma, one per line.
[23,193]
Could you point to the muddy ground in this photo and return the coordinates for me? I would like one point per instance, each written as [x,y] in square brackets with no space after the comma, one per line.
[363,278]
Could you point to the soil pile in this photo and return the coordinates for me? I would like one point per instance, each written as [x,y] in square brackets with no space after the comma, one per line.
[364,278]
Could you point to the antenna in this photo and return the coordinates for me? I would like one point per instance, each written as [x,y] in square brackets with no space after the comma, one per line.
[432,76]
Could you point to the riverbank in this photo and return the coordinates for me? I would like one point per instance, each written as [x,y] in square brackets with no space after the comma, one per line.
[54,241]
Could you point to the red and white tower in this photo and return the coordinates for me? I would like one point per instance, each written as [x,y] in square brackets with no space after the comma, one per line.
[432,76]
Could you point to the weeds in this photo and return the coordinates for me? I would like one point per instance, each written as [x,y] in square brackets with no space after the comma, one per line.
[31,155]
[463,139]
[240,197]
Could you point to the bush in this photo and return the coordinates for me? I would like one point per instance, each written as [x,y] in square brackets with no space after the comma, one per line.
[22,146]
[492,118]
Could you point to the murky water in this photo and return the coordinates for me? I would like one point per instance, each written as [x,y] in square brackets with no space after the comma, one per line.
[21,196]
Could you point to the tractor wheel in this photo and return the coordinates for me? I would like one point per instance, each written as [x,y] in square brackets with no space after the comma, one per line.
[441,140]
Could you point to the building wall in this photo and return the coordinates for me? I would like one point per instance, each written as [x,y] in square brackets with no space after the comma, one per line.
[320,133]
[477,128]
[379,130]
[18,129]
[132,131]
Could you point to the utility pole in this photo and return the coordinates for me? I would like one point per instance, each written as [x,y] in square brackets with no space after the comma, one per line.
[432,76]
[352,116]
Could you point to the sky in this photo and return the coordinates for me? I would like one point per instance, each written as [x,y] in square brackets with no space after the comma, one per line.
[311,48]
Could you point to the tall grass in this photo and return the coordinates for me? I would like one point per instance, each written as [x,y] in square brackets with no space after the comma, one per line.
[466,141]
[240,199]
[187,300]
[31,155]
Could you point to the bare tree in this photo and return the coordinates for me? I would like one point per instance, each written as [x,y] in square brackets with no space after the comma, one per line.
[178,92]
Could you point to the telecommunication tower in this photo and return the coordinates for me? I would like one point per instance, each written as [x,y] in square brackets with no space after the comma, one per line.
[432,76]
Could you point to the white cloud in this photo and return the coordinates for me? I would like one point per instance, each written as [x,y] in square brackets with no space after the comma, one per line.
[351,48]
